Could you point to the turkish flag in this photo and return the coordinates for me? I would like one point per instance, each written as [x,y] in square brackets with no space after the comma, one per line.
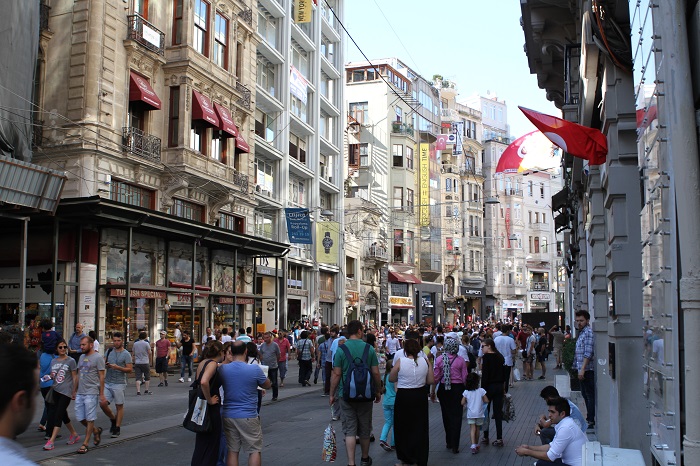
[579,141]
[441,143]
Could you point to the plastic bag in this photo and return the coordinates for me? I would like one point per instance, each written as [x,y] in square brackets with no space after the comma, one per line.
[516,374]
[330,448]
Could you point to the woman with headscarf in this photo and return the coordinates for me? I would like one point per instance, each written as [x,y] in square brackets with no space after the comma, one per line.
[450,376]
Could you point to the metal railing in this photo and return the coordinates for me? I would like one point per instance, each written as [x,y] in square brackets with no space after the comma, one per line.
[377,253]
[240,179]
[141,144]
[244,101]
[402,128]
[539,286]
[146,34]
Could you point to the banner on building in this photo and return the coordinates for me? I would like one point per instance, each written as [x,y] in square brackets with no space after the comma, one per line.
[298,85]
[303,11]
[327,242]
[459,134]
[298,225]
[424,184]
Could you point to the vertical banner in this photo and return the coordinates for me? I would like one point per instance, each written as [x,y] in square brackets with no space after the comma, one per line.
[327,242]
[298,85]
[459,132]
[298,225]
[303,11]
[424,184]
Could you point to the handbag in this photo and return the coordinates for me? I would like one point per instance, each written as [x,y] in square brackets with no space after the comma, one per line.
[198,419]
[50,396]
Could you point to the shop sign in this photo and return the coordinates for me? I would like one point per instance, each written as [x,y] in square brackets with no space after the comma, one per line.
[352,297]
[245,300]
[181,299]
[225,300]
[513,303]
[271,271]
[541,296]
[297,292]
[147,294]
[400,301]
[472,292]
[326,296]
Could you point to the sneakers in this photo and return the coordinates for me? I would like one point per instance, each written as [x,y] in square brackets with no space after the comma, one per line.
[161,384]
[189,379]
[73,439]
[384,445]
[366,461]
[475,449]
[148,392]
[49,445]
[116,432]
[139,393]
[181,380]
[166,383]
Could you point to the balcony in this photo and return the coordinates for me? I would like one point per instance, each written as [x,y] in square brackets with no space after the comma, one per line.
[539,286]
[247,16]
[146,34]
[402,128]
[242,89]
[513,192]
[141,144]
[377,253]
[351,284]
[239,179]
[449,168]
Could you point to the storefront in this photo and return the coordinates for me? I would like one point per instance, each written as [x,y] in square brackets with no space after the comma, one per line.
[472,303]
[511,308]
[37,298]
[297,307]
[327,297]
[402,307]
[539,301]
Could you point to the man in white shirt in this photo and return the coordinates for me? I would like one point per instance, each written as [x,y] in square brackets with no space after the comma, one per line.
[568,440]
[18,401]
[224,335]
[506,346]
[392,344]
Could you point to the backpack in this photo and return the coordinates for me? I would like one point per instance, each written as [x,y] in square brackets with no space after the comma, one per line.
[359,384]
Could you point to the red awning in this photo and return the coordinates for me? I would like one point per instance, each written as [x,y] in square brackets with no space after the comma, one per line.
[401,306]
[403,278]
[203,110]
[140,90]
[226,122]
[241,144]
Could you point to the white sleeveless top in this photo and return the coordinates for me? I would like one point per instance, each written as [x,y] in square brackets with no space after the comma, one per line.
[412,375]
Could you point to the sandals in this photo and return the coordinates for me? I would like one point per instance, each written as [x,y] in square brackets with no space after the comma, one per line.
[83,449]
[98,436]
[497,443]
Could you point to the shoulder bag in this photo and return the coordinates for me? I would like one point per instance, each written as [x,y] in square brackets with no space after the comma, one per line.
[198,418]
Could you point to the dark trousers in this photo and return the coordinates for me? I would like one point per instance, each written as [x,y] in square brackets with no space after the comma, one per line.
[305,370]
[588,393]
[506,377]
[327,378]
[557,462]
[495,394]
[272,375]
[451,407]
[57,412]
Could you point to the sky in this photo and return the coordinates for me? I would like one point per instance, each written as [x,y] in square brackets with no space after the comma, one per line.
[477,44]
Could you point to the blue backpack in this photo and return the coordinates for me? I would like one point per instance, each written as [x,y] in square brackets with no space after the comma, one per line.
[359,383]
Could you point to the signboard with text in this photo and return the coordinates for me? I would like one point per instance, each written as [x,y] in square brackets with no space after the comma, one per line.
[298,225]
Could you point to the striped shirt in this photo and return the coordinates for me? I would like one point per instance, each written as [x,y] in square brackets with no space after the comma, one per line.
[304,349]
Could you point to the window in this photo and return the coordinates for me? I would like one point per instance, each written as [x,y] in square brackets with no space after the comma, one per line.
[267,27]
[328,50]
[409,199]
[266,74]
[326,86]
[398,197]
[448,185]
[295,276]
[264,176]
[201,28]
[360,191]
[239,59]
[177,22]
[126,193]
[529,244]
[399,114]
[541,190]
[232,222]
[397,152]
[264,225]
[409,157]
[187,209]
[529,216]
[529,188]
[264,125]
[297,192]
[360,112]
[410,250]
[398,246]
[537,244]
[174,117]
[358,155]
[297,148]
[537,217]
[198,134]
[544,244]
[471,260]
[141,8]
[221,41]
[544,217]
[300,59]
[219,143]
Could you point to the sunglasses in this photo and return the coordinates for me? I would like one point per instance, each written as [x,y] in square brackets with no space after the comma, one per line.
[62,347]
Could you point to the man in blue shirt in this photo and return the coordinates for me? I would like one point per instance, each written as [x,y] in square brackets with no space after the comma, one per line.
[544,427]
[583,363]
[74,350]
[242,427]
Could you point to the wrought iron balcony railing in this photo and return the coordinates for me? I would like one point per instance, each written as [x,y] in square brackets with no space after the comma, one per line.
[240,179]
[146,34]
[402,128]
[141,144]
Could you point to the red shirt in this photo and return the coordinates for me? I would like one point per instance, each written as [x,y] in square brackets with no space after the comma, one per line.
[284,345]
[162,347]
[522,339]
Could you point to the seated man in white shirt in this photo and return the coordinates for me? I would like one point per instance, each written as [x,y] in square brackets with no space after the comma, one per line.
[566,448]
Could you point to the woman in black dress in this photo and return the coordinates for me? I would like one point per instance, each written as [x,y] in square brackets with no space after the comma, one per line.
[206,446]
[492,380]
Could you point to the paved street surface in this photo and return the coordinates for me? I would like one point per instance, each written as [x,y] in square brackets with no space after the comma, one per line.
[293,430]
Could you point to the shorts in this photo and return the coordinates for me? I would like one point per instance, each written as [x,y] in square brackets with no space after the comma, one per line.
[161,365]
[142,369]
[86,407]
[356,417]
[478,421]
[114,392]
[243,432]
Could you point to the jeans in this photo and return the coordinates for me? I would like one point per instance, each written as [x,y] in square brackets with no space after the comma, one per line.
[588,393]
[272,375]
[186,360]
[388,424]
[282,366]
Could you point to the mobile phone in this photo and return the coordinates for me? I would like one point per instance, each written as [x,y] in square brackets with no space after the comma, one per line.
[46,378]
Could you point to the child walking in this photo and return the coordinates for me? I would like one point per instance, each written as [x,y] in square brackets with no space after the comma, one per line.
[474,398]
[388,404]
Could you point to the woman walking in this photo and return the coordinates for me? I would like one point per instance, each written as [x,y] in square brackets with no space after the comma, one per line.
[388,404]
[63,371]
[492,381]
[412,373]
[206,446]
[450,375]
[541,350]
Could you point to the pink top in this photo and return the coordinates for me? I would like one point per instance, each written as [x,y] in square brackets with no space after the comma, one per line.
[458,368]
[284,345]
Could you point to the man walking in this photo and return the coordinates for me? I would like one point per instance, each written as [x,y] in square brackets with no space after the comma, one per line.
[284,345]
[242,427]
[74,350]
[17,401]
[143,359]
[208,336]
[583,358]
[90,381]
[356,416]
[305,355]
[270,353]
[328,362]
[118,363]
[506,346]
[162,352]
